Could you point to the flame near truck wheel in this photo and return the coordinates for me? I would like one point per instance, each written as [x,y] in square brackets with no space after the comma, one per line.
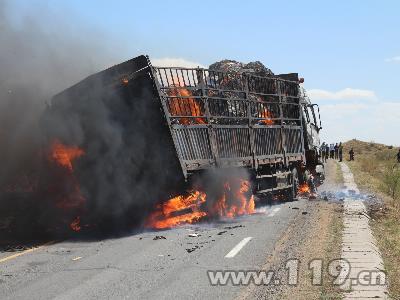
[181,124]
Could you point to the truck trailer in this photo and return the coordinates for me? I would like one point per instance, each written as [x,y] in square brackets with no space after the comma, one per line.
[178,122]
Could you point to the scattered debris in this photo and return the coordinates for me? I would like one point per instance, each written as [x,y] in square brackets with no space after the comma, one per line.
[192,249]
[233,227]
[12,248]
[304,213]
[159,237]
[312,196]
[194,235]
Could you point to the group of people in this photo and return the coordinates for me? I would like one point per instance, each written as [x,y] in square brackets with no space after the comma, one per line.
[333,151]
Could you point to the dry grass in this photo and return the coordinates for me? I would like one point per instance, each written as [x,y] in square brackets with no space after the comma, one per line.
[370,168]
[332,251]
[387,231]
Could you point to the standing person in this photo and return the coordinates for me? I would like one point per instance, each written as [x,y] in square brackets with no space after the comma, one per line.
[326,152]
[398,156]
[351,153]
[336,151]
[322,152]
[340,151]
[332,150]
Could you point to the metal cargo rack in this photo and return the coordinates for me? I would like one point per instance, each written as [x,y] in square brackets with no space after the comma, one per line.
[220,119]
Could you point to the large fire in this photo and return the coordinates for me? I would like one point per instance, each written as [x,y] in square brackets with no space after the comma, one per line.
[68,194]
[64,155]
[182,103]
[236,200]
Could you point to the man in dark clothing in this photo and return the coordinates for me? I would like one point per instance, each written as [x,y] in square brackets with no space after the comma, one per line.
[351,153]
[340,152]
[332,151]
[398,156]
[326,152]
[322,152]
[336,151]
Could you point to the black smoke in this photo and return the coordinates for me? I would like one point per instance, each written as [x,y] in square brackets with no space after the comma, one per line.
[130,162]
[38,58]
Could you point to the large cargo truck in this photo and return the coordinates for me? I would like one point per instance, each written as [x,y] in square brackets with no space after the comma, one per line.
[182,121]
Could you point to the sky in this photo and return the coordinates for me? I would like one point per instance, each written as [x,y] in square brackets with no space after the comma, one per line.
[347,51]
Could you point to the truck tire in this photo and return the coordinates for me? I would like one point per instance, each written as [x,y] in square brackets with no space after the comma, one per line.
[295,185]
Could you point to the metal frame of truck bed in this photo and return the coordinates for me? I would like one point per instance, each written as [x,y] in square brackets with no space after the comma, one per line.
[220,119]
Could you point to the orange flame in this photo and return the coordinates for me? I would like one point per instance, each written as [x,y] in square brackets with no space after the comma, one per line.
[190,209]
[64,155]
[189,205]
[238,203]
[76,224]
[267,115]
[68,194]
[304,189]
[183,105]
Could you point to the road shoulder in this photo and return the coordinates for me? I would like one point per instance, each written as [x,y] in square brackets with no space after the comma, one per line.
[314,235]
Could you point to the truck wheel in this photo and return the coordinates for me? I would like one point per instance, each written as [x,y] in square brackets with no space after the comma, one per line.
[295,185]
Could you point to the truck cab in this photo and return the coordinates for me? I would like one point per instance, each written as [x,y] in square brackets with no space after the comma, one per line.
[312,127]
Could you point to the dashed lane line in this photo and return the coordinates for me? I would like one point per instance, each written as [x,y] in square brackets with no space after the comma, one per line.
[238,247]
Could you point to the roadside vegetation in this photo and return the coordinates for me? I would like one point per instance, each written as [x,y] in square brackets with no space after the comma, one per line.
[376,171]
[328,290]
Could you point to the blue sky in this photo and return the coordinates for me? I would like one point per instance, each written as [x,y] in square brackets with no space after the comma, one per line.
[348,51]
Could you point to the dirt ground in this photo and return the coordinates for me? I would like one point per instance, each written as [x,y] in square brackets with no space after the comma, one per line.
[315,234]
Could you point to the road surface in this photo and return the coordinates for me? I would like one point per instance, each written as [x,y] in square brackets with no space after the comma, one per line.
[166,264]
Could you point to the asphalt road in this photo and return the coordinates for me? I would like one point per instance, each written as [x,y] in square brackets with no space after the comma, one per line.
[141,266]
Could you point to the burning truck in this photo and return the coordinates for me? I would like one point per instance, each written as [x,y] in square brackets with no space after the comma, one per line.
[169,145]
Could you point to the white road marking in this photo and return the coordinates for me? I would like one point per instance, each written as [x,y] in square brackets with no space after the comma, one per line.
[77,258]
[274,211]
[238,247]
